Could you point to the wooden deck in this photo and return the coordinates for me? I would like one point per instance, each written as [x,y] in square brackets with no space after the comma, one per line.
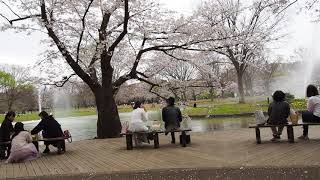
[221,149]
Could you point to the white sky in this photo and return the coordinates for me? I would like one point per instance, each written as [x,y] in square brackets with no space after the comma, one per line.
[23,49]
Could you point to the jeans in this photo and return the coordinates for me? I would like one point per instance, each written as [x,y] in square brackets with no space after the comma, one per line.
[308,117]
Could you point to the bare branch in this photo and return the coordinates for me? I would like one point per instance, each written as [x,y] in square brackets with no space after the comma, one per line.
[125,27]
[10,8]
[290,4]
[83,28]
[24,18]
[64,51]
[62,82]
[5,17]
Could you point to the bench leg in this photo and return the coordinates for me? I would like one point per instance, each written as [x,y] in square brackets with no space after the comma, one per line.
[36,144]
[290,134]
[156,140]
[59,146]
[129,141]
[258,136]
[183,139]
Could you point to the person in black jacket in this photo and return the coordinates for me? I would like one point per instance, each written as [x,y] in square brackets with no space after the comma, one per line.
[172,117]
[6,131]
[278,111]
[50,129]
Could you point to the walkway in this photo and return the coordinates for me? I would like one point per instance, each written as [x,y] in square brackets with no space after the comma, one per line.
[221,149]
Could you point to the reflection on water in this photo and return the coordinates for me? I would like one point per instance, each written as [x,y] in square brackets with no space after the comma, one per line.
[85,127]
[214,124]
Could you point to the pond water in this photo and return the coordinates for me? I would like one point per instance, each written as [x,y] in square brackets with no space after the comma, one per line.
[85,127]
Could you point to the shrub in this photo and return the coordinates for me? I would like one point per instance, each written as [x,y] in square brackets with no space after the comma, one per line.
[289,97]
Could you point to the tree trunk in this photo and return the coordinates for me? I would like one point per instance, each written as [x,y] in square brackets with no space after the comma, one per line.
[194,95]
[108,124]
[211,93]
[240,87]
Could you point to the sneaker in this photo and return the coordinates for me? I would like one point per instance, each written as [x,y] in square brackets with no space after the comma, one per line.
[275,139]
[303,137]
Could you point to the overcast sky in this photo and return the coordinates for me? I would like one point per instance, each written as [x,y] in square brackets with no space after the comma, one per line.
[23,49]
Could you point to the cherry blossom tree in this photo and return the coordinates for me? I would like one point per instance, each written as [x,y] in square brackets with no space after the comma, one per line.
[252,26]
[102,42]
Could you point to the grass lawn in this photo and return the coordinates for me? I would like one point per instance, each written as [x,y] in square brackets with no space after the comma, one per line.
[204,107]
[224,108]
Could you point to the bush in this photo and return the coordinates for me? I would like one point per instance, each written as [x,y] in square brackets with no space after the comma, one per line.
[289,97]
[299,104]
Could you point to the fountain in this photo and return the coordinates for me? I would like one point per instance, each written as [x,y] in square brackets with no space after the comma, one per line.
[304,72]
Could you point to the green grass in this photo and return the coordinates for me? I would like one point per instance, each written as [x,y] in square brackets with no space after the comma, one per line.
[205,107]
[224,109]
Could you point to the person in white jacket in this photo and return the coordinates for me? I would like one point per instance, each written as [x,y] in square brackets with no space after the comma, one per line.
[137,123]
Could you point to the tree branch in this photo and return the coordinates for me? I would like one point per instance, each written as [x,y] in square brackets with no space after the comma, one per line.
[5,17]
[24,18]
[62,82]
[72,63]
[83,20]
[125,27]
[10,8]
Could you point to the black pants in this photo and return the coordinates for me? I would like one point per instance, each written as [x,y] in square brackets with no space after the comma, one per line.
[5,150]
[308,117]
[55,144]
[173,138]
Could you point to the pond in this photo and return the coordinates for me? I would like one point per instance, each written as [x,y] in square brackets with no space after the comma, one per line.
[84,127]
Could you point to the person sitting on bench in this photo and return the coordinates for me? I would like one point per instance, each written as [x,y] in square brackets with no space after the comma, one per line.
[171,115]
[6,131]
[22,148]
[137,123]
[50,129]
[313,113]
[278,111]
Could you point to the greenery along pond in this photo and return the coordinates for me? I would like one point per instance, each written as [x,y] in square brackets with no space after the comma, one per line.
[84,127]
[205,107]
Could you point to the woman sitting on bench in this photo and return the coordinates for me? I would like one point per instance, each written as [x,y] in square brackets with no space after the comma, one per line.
[278,111]
[137,123]
[313,113]
[22,148]
[50,129]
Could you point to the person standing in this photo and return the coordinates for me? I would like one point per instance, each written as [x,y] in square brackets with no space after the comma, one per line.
[171,115]
[50,129]
[6,130]
[313,113]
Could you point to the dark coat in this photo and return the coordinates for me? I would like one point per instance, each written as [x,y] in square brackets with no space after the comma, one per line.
[50,127]
[6,130]
[278,113]
[171,116]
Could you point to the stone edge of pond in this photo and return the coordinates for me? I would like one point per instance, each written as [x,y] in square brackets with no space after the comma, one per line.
[290,172]
[222,115]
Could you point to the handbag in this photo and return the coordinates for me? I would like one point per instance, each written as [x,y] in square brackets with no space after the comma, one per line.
[260,118]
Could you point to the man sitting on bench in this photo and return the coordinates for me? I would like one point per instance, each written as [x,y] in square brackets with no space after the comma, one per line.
[278,111]
[50,129]
[172,117]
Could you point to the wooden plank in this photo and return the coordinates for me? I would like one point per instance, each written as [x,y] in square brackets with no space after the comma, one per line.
[229,148]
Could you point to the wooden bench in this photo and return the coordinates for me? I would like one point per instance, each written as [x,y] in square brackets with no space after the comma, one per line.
[59,140]
[155,134]
[289,127]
